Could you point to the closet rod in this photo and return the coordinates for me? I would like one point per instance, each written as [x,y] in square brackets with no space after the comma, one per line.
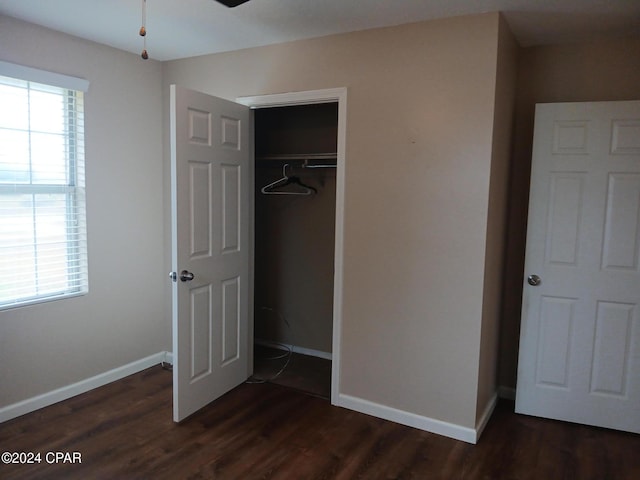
[299,156]
[309,160]
[306,165]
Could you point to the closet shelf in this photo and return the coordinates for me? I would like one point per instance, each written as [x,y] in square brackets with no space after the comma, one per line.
[308,160]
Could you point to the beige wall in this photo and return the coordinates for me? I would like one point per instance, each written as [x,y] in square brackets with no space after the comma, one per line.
[418,315]
[47,346]
[596,71]
[507,65]
[420,113]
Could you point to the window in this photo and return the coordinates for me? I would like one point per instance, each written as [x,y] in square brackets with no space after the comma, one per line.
[43,246]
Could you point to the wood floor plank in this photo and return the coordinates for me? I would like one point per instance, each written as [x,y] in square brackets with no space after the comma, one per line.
[124,431]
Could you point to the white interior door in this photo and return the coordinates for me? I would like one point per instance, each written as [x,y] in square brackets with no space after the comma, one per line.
[210,195]
[580,336]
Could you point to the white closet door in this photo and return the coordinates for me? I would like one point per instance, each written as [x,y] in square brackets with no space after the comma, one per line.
[210,145]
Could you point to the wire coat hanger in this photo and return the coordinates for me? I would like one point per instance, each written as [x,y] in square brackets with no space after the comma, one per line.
[273,187]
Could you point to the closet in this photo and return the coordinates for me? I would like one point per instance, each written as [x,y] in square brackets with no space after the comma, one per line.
[295,204]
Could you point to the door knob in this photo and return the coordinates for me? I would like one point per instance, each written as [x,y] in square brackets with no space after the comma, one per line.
[534,280]
[186,276]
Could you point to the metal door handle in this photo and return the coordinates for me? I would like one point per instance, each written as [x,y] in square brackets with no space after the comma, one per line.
[186,276]
[534,280]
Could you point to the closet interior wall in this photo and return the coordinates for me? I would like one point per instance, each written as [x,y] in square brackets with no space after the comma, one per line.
[295,234]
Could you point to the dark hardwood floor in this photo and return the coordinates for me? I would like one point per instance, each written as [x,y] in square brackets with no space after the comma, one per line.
[124,431]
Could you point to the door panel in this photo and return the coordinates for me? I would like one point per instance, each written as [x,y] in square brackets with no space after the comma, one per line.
[200,323]
[554,344]
[580,335]
[231,190]
[621,239]
[210,239]
[200,188]
[564,218]
[612,348]
[231,320]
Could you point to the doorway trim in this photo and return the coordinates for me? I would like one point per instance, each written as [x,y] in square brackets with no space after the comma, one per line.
[330,95]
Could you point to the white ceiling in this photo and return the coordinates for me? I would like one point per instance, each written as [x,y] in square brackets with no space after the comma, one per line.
[186,28]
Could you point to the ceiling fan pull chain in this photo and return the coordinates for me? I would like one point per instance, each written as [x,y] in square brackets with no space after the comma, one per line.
[143,30]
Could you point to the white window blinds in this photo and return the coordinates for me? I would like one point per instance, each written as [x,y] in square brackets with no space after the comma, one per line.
[43,244]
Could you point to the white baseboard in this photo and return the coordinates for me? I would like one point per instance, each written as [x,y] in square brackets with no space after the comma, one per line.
[168,357]
[508,393]
[432,425]
[44,400]
[294,349]
[486,415]
[439,427]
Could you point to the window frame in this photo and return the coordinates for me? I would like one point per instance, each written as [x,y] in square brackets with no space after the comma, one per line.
[72,91]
